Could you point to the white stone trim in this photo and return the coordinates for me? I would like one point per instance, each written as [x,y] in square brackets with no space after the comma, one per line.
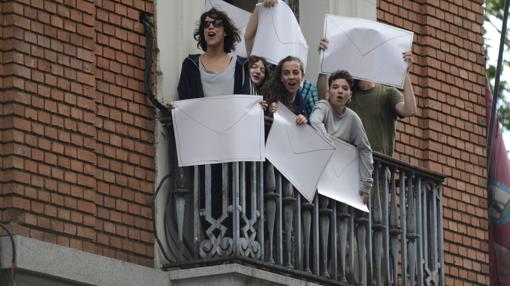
[175,22]
[51,261]
[311,17]
[231,274]
[366,9]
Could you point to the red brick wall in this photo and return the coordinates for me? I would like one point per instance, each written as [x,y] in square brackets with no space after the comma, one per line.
[448,133]
[76,133]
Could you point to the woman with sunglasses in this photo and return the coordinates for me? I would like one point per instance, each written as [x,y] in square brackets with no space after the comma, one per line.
[215,72]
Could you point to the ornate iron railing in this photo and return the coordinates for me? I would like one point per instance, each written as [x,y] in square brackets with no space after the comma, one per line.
[247,212]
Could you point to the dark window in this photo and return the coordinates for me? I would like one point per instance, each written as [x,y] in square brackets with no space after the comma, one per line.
[248,5]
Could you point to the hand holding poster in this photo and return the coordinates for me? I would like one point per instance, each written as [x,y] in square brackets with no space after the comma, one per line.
[340,179]
[219,129]
[279,35]
[367,49]
[298,152]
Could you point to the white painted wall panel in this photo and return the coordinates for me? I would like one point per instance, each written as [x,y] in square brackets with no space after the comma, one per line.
[311,17]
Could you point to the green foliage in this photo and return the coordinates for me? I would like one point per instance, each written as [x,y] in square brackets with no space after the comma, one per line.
[494,10]
[504,113]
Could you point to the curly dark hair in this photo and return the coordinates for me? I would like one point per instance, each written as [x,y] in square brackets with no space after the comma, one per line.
[254,59]
[232,33]
[343,74]
[274,90]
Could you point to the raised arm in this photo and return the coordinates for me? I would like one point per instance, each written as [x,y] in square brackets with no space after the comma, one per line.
[408,106]
[322,86]
[322,79]
[251,31]
[251,28]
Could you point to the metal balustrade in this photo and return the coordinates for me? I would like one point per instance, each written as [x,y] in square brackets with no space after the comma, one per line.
[247,212]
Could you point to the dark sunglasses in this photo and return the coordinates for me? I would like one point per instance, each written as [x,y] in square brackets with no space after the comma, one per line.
[216,23]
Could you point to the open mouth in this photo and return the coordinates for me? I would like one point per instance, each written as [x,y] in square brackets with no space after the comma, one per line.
[211,34]
[339,97]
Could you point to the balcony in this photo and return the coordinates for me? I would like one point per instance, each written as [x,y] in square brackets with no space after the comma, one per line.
[257,219]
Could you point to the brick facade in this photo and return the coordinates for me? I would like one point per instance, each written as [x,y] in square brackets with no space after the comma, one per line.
[448,133]
[76,133]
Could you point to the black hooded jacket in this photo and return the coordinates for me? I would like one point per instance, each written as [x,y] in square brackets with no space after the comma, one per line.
[190,84]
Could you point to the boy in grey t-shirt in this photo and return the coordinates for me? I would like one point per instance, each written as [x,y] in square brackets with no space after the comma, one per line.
[333,119]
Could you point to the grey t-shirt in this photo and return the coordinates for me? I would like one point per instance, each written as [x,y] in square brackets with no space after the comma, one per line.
[221,83]
[346,127]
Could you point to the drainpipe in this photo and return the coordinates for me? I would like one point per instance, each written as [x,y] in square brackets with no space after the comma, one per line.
[146,20]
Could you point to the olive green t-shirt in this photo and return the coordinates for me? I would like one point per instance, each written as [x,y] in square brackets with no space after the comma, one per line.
[376,108]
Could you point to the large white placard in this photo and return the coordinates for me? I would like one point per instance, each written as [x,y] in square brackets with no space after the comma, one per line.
[367,49]
[279,35]
[340,179]
[219,129]
[298,152]
[239,16]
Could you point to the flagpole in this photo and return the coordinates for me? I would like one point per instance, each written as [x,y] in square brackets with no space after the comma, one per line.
[496,89]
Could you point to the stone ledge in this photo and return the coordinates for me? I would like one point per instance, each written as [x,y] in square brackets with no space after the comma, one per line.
[231,274]
[42,263]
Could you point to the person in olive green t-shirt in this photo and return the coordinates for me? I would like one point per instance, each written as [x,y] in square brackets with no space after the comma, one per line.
[379,106]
